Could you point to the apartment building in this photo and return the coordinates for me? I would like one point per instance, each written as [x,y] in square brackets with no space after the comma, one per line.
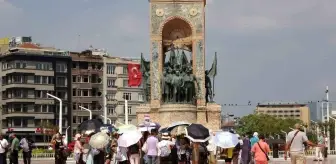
[94,71]
[28,73]
[118,90]
[87,86]
[286,110]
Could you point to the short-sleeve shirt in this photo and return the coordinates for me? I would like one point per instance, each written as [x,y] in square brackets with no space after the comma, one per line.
[320,140]
[152,143]
[259,154]
[297,144]
[3,145]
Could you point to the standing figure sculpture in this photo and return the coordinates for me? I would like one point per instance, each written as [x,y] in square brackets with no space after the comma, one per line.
[208,88]
[189,85]
[145,70]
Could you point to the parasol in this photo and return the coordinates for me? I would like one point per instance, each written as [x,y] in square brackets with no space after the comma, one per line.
[99,140]
[197,133]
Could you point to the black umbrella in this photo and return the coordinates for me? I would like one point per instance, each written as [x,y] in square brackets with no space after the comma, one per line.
[198,133]
[90,126]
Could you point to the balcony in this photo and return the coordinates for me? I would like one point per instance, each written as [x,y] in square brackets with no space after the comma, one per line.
[29,71]
[28,85]
[28,100]
[87,99]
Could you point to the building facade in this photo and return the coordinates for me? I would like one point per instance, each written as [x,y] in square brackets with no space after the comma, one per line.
[95,74]
[28,73]
[118,90]
[286,110]
[87,86]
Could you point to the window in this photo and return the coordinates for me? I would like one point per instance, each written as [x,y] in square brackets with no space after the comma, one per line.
[125,70]
[110,83]
[38,66]
[74,92]
[24,65]
[17,122]
[61,68]
[44,80]
[60,81]
[37,79]
[74,78]
[37,108]
[85,79]
[16,79]
[61,94]
[129,109]
[129,121]
[110,69]
[17,65]
[140,97]
[125,83]
[111,110]
[127,96]
[111,96]
[50,80]
[85,92]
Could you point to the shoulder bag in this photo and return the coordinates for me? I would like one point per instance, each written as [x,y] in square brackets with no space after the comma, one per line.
[263,151]
[290,144]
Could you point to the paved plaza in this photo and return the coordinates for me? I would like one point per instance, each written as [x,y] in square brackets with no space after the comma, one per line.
[330,160]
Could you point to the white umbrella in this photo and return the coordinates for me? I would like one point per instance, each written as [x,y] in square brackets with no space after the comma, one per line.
[99,140]
[226,140]
[125,128]
[145,129]
[129,138]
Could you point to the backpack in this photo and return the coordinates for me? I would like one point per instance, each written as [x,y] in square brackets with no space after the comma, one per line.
[134,149]
[165,151]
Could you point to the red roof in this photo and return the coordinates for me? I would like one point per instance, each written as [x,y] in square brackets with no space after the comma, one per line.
[29,45]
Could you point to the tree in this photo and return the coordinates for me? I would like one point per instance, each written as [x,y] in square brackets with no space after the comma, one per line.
[48,130]
[265,124]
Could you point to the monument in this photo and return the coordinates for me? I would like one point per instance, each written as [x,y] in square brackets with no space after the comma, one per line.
[177,87]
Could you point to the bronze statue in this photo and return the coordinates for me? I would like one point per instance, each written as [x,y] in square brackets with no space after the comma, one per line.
[145,70]
[208,88]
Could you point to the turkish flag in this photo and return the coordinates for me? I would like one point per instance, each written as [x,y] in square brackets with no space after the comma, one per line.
[134,75]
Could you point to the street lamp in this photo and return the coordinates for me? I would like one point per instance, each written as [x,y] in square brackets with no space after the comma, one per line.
[285,133]
[334,135]
[87,110]
[107,119]
[60,112]
[317,127]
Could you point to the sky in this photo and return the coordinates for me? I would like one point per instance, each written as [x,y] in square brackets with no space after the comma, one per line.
[280,50]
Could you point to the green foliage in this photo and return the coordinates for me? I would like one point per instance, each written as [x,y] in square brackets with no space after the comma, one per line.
[40,151]
[265,124]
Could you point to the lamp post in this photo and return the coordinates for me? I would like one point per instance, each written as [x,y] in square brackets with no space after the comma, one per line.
[317,127]
[107,119]
[126,112]
[334,134]
[87,110]
[285,134]
[60,112]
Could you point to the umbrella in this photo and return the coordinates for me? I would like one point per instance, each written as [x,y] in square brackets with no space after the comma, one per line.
[99,140]
[226,140]
[178,123]
[163,130]
[125,128]
[152,125]
[197,133]
[129,138]
[90,126]
[178,130]
[108,128]
[145,129]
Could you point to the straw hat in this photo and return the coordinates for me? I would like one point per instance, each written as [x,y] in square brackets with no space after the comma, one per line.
[165,136]
[77,136]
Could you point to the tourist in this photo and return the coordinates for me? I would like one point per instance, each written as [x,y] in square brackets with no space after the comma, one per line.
[78,149]
[59,147]
[211,147]
[319,149]
[90,155]
[295,139]
[246,150]
[3,150]
[142,142]
[164,148]
[326,142]
[14,149]
[173,153]
[134,153]
[152,150]
[260,151]
[26,144]
[227,155]
[184,151]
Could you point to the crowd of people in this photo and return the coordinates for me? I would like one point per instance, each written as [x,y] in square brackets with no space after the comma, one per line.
[12,146]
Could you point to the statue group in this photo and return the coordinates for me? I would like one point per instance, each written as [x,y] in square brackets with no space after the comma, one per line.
[178,83]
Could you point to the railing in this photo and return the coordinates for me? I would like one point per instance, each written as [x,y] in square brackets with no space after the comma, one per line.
[42,155]
[308,153]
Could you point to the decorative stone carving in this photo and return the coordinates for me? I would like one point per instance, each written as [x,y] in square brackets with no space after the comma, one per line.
[200,68]
[155,76]
[191,12]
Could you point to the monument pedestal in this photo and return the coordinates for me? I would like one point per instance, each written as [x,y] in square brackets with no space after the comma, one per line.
[208,115]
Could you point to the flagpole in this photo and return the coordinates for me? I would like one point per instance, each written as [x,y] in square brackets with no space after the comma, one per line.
[213,82]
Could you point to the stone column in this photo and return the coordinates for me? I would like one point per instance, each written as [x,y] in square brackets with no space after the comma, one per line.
[199,68]
[156,67]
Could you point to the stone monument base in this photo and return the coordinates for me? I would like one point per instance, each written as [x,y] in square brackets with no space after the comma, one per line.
[209,115]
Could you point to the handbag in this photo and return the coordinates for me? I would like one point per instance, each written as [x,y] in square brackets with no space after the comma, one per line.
[263,151]
[144,148]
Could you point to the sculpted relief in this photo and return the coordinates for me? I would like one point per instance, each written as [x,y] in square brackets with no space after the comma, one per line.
[191,12]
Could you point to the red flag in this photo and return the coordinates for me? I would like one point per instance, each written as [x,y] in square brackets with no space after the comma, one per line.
[134,75]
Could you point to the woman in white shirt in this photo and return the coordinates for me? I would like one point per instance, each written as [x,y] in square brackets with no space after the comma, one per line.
[78,148]
[3,146]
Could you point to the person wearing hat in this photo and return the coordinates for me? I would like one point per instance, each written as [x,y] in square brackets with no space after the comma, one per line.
[164,148]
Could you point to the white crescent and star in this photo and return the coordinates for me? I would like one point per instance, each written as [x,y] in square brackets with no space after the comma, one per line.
[135,71]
